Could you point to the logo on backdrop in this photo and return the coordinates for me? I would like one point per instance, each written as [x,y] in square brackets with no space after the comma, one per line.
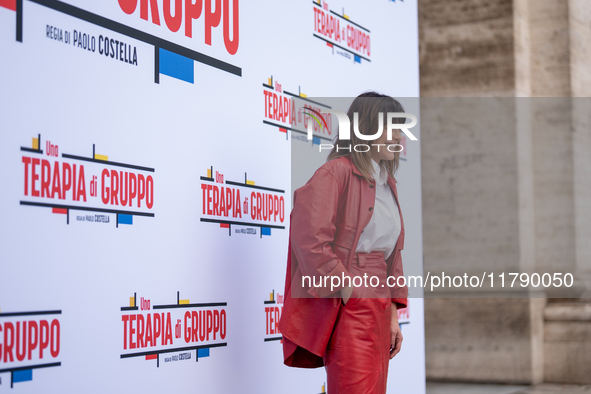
[222,13]
[339,32]
[273,309]
[251,208]
[118,41]
[174,332]
[176,61]
[29,340]
[286,111]
[403,316]
[88,188]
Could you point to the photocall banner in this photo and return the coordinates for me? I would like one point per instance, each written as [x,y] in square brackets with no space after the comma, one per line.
[145,149]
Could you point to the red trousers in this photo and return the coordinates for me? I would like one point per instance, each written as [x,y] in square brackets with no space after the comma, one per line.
[358,352]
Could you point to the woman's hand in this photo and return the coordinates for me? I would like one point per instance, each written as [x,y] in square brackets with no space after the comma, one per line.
[395,333]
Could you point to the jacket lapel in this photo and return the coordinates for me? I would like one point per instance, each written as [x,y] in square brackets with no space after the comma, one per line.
[392,183]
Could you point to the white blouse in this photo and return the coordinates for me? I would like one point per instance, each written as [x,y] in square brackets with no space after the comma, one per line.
[383,229]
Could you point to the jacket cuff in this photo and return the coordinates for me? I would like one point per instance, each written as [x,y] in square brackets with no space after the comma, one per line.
[325,291]
[400,302]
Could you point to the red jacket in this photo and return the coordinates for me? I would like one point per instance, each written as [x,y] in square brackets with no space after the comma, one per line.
[330,212]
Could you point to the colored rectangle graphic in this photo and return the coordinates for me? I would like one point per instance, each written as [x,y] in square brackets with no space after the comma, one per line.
[22,376]
[10,4]
[176,66]
[204,352]
[125,219]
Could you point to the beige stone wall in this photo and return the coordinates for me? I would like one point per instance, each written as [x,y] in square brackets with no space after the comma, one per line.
[508,189]
[580,50]
[580,61]
[547,46]
[470,185]
[568,344]
[466,47]
[484,340]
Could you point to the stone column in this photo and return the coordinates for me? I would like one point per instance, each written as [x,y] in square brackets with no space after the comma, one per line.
[580,84]
[513,196]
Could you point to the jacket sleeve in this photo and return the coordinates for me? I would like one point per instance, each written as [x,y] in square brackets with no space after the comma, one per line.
[399,294]
[313,231]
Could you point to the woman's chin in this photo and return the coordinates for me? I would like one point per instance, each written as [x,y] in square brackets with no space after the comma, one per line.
[389,156]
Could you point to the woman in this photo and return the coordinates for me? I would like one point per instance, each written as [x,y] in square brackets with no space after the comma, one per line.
[346,223]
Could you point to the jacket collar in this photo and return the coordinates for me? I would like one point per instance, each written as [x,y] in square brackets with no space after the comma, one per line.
[356,170]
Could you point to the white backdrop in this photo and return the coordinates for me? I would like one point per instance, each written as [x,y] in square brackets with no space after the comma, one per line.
[117,280]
